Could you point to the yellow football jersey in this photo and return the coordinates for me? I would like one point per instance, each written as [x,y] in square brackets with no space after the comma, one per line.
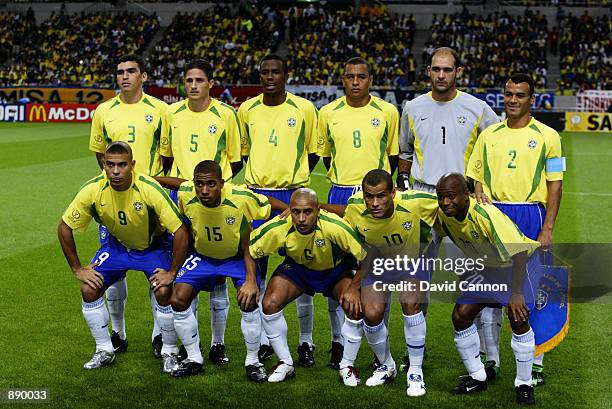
[357,139]
[511,163]
[486,233]
[136,216]
[332,240]
[218,231]
[139,124]
[191,137]
[277,140]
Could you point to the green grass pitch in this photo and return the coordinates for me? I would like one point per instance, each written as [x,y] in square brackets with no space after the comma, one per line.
[44,340]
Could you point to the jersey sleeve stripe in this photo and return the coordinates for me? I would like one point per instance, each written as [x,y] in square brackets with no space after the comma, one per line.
[539,169]
[250,195]
[498,243]
[163,193]
[342,225]
[383,147]
[267,228]
[221,144]
[156,136]
[300,151]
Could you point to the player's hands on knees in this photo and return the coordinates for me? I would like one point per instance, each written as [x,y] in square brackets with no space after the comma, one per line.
[87,275]
[482,198]
[350,301]
[518,308]
[247,295]
[285,213]
[161,278]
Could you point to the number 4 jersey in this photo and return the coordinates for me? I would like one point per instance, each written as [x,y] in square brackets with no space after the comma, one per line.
[438,137]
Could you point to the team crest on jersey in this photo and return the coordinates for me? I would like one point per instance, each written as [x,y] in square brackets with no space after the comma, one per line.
[180,273]
[532,144]
[320,242]
[541,299]
[138,206]
[461,119]
[291,122]
[149,118]
[407,225]
[230,220]
[375,122]
[474,234]
[212,129]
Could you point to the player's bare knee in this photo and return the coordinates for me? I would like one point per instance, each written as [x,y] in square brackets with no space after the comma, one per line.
[373,314]
[462,318]
[271,304]
[179,303]
[163,296]
[411,308]
[90,294]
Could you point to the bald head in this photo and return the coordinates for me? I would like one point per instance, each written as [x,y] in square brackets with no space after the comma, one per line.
[453,195]
[304,207]
[305,195]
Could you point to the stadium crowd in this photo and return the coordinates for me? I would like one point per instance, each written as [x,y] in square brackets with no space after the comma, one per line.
[586,53]
[494,44]
[234,44]
[75,49]
[331,36]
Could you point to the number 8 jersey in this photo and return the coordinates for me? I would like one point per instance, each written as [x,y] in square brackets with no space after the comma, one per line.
[438,137]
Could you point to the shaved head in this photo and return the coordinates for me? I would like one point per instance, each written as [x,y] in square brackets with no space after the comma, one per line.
[305,195]
[453,195]
[454,181]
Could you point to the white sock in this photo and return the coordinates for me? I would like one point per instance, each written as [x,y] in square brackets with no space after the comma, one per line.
[387,313]
[468,346]
[378,338]
[415,330]
[116,297]
[491,321]
[336,318]
[262,291]
[523,347]
[539,360]
[250,324]
[478,324]
[166,322]
[305,312]
[352,332]
[96,315]
[276,330]
[195,304]
[187,330]
[156,327]
[219,308]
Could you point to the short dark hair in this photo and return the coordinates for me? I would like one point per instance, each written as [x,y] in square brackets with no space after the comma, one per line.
[200,64]
[136,58]
[274,57]
[119,147]
[358,61]
[522,77]
[448,50]
[208,167]
[377,176]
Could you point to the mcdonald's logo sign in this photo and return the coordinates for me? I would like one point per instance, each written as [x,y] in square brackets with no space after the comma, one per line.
[36,113]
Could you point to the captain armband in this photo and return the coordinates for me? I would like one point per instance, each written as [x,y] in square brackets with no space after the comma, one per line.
[555,164]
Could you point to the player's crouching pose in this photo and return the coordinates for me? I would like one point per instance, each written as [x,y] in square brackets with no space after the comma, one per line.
[509,258]
[317,246]
[220,216]
[136,211]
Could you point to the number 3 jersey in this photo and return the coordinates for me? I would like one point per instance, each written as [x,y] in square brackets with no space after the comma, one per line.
[277,139]
[357,139]
[139,124]
[438,137]
[218,231]
[136,217]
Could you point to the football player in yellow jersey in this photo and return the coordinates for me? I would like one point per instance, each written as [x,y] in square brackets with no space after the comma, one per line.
[137,212]
[519,165]
[136,118]
[508,259]
[279,143]
[394,224]
[197,129]
[357,133]
[318,247]
[220,216]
